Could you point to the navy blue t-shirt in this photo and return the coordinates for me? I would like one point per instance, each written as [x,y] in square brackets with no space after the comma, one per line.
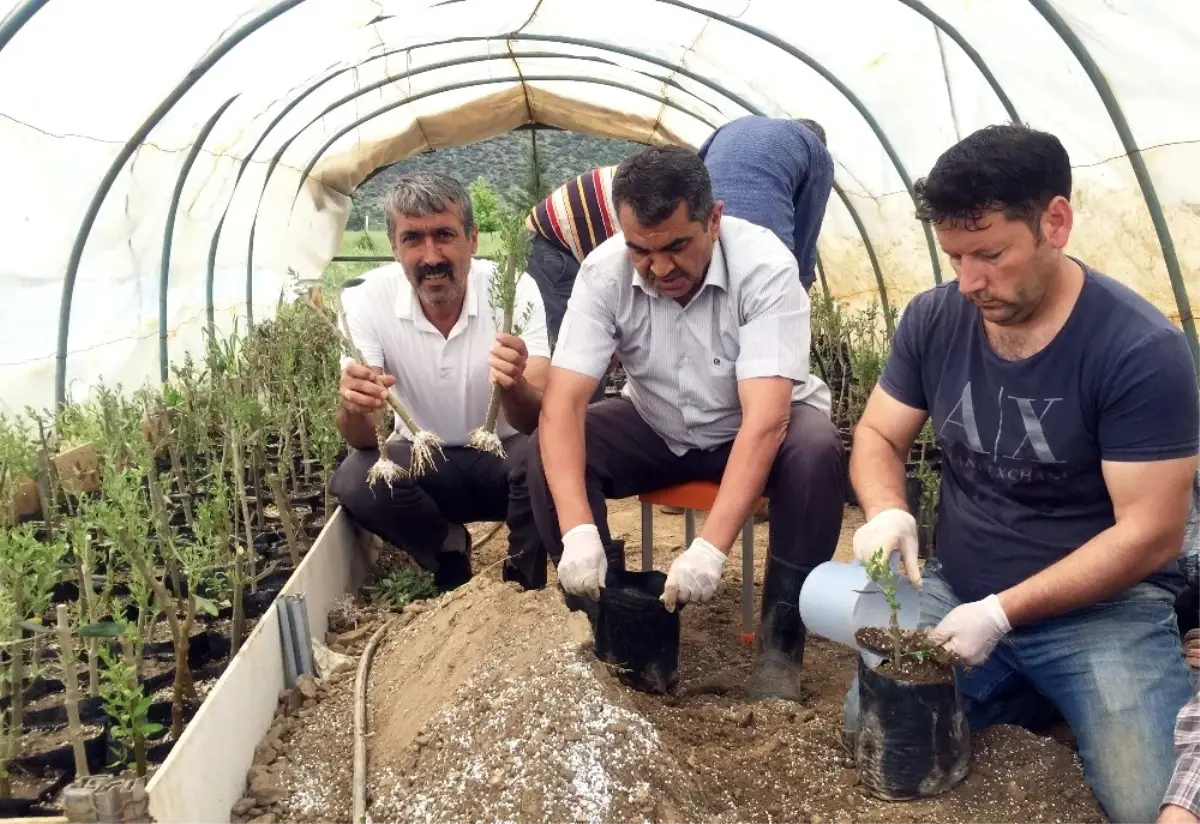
[1022,441]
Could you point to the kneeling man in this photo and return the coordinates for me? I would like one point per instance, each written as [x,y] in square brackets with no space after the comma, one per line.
[1065,406]
[710,321]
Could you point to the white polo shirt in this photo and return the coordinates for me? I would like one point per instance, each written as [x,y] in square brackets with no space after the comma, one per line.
[442,381]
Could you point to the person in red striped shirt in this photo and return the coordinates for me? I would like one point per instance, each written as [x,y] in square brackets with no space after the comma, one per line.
[567,225]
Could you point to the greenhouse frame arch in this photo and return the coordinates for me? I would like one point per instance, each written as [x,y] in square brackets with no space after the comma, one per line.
[338,112]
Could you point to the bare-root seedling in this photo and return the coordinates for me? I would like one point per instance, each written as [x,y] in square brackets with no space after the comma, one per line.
[425,444]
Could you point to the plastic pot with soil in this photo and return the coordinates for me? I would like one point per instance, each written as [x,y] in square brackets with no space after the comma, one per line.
[913,740]
[634,634]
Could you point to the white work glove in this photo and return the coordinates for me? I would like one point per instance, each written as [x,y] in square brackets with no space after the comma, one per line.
[972,630]
[894,530]
[583,565]
[694,575]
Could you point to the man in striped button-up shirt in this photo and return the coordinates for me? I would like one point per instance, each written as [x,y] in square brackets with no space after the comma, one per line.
[710,322]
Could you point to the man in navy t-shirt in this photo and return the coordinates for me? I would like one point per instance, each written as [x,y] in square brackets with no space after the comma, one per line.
[1066,408]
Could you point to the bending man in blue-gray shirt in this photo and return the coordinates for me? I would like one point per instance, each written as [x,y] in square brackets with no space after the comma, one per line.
[1066,408]
[777,173]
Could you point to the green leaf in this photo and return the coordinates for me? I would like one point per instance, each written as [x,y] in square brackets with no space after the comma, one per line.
[36,628]
[102,629]
[206,606]
[143,706]
[150,728]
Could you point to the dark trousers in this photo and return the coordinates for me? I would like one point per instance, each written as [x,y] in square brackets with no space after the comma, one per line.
[416,515]
[625,457]
[554,271]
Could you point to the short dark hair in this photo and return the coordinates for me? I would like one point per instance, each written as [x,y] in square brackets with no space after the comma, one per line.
[655,180]
[814,127]
[420,194]
[1011,169]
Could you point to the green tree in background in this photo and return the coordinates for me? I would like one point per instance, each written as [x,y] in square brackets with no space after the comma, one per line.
[486,206]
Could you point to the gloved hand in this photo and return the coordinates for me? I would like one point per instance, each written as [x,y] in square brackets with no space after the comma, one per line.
[583,565]
[894,530]
[694,575]
[972,630]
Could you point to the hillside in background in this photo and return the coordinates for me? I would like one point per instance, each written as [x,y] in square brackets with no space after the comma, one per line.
[505,162]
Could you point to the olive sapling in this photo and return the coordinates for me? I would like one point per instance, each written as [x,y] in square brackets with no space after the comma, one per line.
[424,443]
[880,572]
[502,297]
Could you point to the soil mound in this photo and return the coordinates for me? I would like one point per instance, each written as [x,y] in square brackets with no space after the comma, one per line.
[490,706]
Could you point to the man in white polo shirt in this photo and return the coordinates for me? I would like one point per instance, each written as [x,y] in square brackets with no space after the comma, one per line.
[710,321]
[425,324]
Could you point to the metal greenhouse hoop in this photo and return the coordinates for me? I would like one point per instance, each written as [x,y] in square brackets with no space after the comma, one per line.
[25,11]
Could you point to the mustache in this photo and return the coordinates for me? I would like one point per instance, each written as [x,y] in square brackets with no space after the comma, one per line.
[427,270]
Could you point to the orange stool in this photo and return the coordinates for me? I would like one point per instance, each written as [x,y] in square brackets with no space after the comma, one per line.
[689,497]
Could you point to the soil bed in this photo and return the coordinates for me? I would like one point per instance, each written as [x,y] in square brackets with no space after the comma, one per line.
[486,704]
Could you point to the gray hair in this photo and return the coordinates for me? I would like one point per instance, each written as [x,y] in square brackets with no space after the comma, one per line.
[420,194]
[813,126]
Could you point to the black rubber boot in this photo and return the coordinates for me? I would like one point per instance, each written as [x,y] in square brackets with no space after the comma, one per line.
[454,567]
[779,642]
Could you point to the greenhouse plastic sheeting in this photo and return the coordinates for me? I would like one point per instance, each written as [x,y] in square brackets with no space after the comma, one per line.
[103,106]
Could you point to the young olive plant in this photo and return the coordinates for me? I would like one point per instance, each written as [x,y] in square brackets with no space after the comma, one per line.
[29,568]
[880,572]
[125,702]
[424,442]
[503,298]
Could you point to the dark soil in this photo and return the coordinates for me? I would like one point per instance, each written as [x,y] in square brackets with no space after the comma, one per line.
[921,661]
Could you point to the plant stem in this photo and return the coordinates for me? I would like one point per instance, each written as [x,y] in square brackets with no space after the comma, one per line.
[239,486]
[66,654]
[305,453]
[894,624]
[285,516]
[16,706]
[139,740]
[357,354]
[484,438]
[46,481]
[257,460]
[87,597]
[183,673]
[181,482]
[238,625]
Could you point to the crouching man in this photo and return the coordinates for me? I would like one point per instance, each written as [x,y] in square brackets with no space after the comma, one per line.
[1065,406]
[426,325]
[710,321]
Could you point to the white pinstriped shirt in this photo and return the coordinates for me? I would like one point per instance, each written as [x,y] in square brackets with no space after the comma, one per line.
[750,319]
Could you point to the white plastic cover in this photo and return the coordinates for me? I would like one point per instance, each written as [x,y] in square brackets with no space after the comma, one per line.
[79,78]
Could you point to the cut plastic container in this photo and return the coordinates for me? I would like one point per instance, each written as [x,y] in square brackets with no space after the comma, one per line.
[838,599]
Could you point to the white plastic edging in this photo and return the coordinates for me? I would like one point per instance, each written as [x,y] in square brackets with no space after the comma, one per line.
[205,774]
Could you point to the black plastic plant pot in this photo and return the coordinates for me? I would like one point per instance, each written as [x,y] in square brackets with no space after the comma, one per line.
[61,759]
[634,633]
[913,740]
